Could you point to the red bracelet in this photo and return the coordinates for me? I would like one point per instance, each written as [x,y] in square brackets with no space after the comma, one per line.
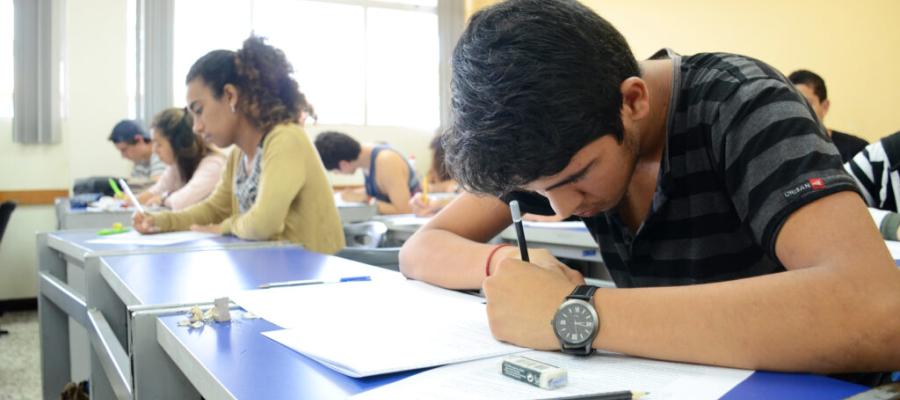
[487,265]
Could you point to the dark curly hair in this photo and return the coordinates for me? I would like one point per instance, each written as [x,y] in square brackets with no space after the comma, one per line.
[268,94]
[533,82]
[189,149]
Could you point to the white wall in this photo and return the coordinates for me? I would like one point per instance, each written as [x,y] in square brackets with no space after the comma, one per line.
[95,42]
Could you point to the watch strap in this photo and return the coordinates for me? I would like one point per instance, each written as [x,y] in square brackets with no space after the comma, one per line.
[583,292]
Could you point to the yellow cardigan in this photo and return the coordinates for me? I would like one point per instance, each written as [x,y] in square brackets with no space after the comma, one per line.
[294,201]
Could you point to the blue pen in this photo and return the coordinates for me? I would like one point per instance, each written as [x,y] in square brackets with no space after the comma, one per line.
[314,282]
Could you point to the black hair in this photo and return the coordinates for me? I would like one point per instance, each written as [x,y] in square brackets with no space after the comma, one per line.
[268,94]
[533,82]
[189,149]
[125,132]
[334,147]
[811,79]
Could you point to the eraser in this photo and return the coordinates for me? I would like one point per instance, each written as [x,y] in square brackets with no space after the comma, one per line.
[534,372]
[222,314]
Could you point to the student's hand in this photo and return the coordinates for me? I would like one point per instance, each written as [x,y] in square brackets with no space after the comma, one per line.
[144,223]
[539,257]
[521,302]
[152,200]
[214,228]
[541,218]
[425,210]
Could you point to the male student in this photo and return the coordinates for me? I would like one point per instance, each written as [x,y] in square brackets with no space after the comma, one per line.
[812,86]
[388,176]
[134,144]
[721,210]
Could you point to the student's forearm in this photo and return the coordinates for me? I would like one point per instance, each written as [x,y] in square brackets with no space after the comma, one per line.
[444,259]
[815,319]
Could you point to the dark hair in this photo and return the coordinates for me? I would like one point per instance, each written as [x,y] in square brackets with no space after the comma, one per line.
[335,147]
[189,149]
[811,79]
[268,94]
[126,130]
[439,168]
[533,82]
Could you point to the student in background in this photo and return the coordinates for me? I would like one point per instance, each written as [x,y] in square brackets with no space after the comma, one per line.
[440,183]
[876,170]
[274,187]
[812,86]
[733,234]
[194,167]
[388,176]
[134,144]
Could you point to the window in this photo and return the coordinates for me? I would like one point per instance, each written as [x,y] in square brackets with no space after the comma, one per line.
[202,26]
[7,67]
[359,62]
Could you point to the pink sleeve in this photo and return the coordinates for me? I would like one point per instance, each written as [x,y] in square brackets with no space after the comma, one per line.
[167,182]
[205,179]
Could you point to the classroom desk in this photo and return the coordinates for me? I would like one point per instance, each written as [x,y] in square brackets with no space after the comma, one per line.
[571,240]
[235,361]
[356,212]
[61,297]
[128,292]
[68,218]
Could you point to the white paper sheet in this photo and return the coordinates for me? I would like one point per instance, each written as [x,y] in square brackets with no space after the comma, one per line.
[159,239]
[894,248]
[573,225]
[599,373]
[415,325]
[406,220]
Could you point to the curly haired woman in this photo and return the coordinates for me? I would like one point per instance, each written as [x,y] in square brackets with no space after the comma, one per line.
[274,186]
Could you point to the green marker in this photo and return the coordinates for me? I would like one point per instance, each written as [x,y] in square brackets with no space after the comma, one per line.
[115,188]
[116,229]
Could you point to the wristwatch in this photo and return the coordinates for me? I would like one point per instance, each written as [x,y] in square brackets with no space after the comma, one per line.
[576,322]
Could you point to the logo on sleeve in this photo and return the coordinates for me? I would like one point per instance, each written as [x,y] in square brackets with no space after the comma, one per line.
[814,184]
[817,183]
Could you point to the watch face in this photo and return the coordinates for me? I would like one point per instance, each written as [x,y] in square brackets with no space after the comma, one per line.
[574,322]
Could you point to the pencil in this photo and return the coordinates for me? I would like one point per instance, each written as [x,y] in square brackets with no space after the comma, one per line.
[520,230]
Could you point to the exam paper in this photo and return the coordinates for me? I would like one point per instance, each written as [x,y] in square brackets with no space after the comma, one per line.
[158,239]
[573,225]
[406,220]
[370,328]
[599,373]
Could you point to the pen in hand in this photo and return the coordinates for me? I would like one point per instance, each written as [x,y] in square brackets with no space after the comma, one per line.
[520,230]
[131,196]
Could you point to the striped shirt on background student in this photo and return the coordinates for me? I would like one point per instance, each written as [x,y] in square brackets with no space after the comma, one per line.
[877,171]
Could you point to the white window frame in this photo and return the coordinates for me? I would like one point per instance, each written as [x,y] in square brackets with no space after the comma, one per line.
[155,38]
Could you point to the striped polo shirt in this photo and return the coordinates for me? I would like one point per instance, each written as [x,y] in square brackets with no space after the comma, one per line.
[743,151]
[151,168]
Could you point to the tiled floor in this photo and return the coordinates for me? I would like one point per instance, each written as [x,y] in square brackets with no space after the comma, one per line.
[20,376]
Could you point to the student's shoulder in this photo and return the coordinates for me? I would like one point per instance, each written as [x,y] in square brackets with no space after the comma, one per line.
[730,67]
[214,157]
[283,136]
[389,157]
